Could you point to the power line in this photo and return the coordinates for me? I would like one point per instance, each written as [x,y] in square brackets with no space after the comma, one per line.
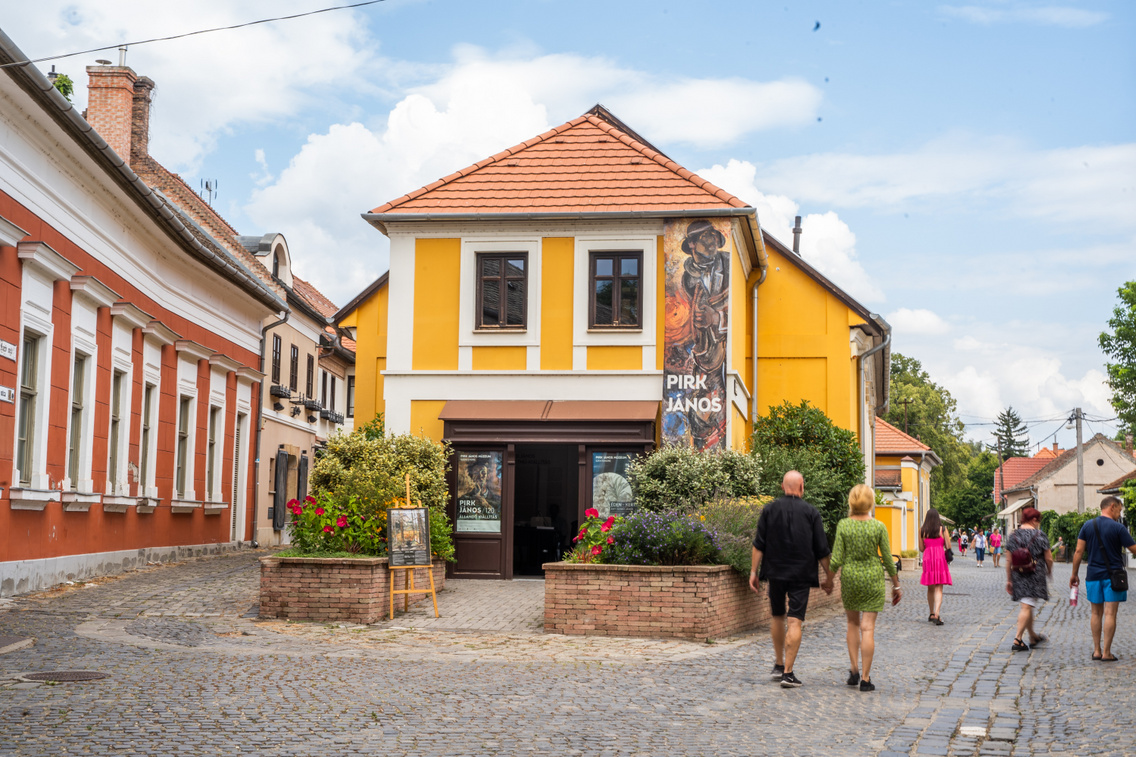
[192,34]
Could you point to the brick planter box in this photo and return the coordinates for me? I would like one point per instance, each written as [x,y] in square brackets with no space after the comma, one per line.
[909,564]
[690,602]
[339,589]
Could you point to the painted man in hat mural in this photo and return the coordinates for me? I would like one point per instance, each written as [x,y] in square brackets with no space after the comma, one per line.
[706,279]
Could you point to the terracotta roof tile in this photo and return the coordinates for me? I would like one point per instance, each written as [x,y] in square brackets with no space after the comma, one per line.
[1015,470]
[585,165]
[1129,476]
[890,440]
[314,297]
[888,479]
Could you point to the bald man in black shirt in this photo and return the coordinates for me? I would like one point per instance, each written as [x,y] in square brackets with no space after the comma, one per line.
[789,543]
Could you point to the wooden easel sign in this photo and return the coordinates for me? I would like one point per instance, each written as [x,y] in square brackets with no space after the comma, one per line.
[408,547]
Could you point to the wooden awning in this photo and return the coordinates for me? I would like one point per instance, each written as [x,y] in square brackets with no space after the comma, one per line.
[549,410]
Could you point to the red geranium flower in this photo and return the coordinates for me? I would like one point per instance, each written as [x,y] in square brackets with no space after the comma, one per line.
[597,549]
[328,529]
[293,502]
[310,499]
[591,512]
[319,511]
[611,540]
[608,524]
[341,522]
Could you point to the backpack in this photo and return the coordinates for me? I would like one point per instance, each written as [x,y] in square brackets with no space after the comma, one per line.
[1021,559]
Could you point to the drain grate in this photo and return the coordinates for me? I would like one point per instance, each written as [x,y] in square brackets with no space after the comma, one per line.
[65,675]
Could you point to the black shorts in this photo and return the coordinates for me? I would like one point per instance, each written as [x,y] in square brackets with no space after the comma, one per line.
[798,599]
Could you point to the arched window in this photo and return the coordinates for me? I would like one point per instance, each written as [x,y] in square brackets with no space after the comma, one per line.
[276,264]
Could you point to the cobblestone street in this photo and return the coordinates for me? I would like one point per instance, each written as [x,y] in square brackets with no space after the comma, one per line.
[191,671]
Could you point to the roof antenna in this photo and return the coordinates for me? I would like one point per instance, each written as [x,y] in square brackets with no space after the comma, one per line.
[122,56]
[797,236]
[209,190]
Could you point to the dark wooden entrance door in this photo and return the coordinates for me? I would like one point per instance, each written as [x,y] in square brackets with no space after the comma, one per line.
[481,510]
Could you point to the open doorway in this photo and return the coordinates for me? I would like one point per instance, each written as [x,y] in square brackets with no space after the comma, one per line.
[545,503]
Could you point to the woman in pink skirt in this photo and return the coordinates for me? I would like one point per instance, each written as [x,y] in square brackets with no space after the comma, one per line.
[933,540]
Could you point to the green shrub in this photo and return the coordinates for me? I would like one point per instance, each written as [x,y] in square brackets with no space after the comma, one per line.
[361,474]
[734,521]
[1067,526]
[909,553]
[824,489]
[661,538]
[682,479]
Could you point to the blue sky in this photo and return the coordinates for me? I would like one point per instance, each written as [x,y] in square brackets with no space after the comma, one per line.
[966,169]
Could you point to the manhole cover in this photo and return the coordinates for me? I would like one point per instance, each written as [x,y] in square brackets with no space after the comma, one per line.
[65,675]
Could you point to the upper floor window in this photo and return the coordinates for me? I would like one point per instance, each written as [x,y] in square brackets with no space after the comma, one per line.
[275,358]
[29,394]
[115,428]
[502,286]
[311,377]
[144,448]
[294,369]
[614,290]
[184,409]
[350,396]
[211,451]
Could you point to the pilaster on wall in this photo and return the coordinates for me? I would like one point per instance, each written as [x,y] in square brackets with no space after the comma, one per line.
[59,387]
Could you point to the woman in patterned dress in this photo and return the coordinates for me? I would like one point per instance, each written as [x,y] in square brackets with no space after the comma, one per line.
[862,553]
[933,542]
[1029,587]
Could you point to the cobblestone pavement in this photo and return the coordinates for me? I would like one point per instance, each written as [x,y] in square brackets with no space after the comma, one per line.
[191,673]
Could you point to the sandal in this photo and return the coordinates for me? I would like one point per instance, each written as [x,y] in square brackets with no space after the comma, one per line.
[1097,658]
[1019,646]
[931,618]
[1040,639]
[938,621]
[1113,658]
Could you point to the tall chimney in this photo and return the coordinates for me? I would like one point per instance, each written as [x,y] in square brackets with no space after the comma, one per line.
[110,105]
[797,236]
[140,120]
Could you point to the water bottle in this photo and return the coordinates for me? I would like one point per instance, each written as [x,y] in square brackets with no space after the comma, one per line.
[1072,596]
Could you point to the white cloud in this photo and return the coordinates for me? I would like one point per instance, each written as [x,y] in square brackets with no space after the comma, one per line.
[917,322]
[205,84]
[1076,185]
[1047,15]
[826,242]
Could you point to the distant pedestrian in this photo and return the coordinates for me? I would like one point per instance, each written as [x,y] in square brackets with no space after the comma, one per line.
[936,573]
[1059,549]
[1103,539]
[1027,573]
[964,542]
[979,548]
[862,552]
[996,546]
[789,542]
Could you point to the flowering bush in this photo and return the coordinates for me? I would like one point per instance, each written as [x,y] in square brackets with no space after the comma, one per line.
[667,538]
[594,537]
[322,525]
[735,522]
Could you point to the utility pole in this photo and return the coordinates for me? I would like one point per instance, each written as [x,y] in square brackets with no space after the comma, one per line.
[905,403]
[1080,464]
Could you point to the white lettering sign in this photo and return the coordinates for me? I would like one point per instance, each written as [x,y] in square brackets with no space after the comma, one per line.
[7,349]
[7,394]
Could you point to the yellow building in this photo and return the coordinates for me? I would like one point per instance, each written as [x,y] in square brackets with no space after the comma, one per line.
[903,475]
[578,299]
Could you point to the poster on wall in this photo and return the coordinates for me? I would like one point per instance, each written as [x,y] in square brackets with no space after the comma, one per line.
[611,491]
[697,256]
[408,536]
[479,492]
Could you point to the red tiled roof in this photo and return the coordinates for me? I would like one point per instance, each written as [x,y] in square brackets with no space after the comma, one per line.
[890,440]
[585,165]
[1129,476]
[314,297]
[887,479]
[1051,466]
[1048,453]
[1014,471]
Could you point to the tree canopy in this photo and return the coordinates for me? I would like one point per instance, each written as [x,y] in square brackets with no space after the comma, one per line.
[1119,344]
[1011,434]
[927,411]
[971,502]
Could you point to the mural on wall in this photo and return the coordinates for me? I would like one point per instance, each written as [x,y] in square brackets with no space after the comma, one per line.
[697,257]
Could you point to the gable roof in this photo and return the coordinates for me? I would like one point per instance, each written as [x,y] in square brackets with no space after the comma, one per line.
[891,441]
[586,165]
[1051,466]
[1015,470]
[1113,487]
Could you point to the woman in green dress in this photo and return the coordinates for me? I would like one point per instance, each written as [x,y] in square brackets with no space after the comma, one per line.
[862,553]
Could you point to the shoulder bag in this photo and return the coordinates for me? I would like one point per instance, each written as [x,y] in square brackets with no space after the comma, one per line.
[1117,576]
[1021,559]
[949,554]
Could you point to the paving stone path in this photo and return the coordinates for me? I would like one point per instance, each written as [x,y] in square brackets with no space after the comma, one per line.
[193,672]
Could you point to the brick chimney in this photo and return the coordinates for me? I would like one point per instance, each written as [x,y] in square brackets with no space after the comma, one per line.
[110,105]
[118,108]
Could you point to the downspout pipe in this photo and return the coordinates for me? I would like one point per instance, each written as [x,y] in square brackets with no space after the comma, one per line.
[886,379]
[753,393]
[260,417]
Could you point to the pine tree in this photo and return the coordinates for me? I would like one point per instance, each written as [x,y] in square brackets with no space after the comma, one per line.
[1011,434]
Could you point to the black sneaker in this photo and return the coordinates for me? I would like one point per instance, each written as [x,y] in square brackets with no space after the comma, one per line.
[790,681]
[867,685]
[853,678]
[777,672]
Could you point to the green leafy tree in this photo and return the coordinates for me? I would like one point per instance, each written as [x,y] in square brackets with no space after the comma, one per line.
[1011,434]
[971,503]
[65,86]
[801,437]
[927,411]
[1119,345]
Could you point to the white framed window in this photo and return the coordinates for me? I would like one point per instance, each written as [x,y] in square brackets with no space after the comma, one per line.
[212,456]
[79,424]
[490,269]
[183,460]
[28,428]
[596,262]
[149,423]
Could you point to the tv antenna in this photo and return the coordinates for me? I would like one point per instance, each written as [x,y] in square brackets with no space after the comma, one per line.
[209,190]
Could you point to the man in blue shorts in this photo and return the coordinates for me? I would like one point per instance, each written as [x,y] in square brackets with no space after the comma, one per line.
[1103,539]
